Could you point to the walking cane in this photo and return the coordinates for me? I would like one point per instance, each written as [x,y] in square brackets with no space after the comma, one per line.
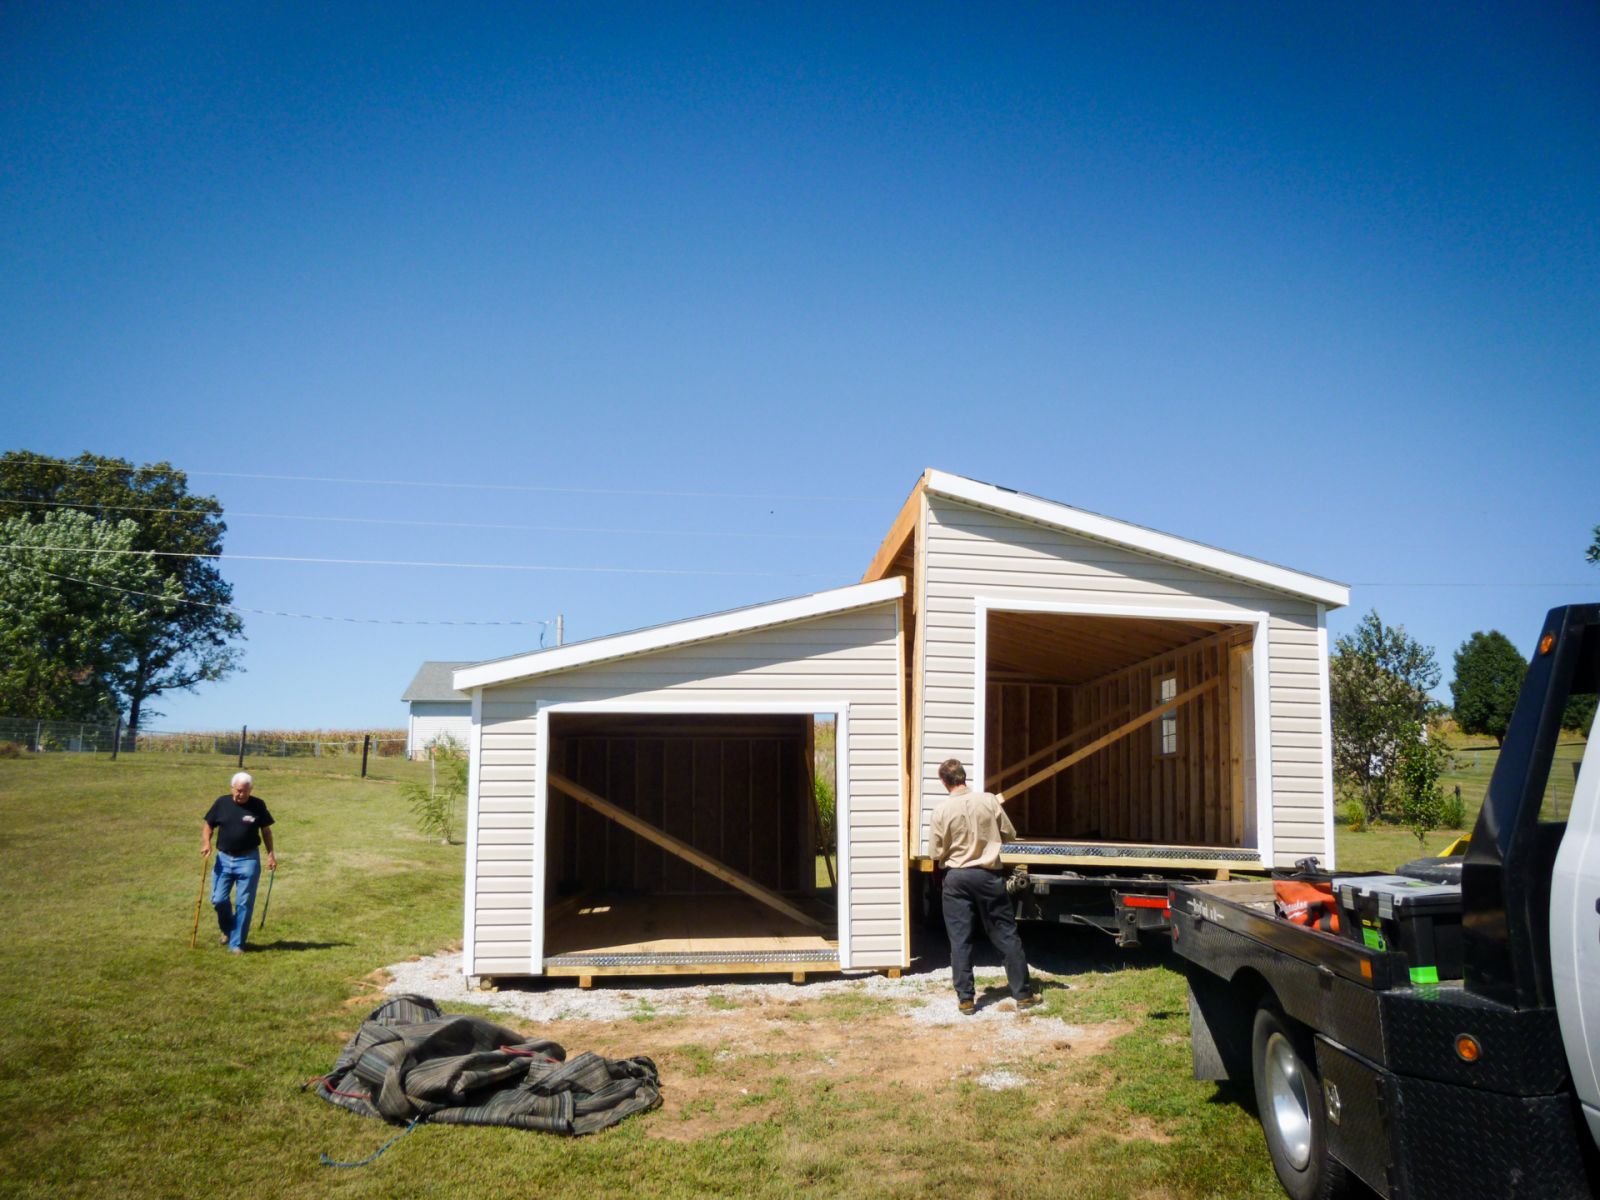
[194,934]
[272,876]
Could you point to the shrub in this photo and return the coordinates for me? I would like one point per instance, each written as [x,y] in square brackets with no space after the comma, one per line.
[434,805]
[827,815]
[1422,760]
[1353,813]
[1454,814]
[10,750]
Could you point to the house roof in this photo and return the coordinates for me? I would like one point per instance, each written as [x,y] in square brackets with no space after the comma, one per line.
[432,682]
[1121,533]
[678,633]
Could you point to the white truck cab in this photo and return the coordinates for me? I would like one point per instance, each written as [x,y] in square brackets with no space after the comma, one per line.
[1575,935]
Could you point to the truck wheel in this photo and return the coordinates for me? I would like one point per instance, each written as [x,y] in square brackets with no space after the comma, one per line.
[1289,1103]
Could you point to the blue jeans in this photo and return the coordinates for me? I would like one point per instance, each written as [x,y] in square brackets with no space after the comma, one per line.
[244,872]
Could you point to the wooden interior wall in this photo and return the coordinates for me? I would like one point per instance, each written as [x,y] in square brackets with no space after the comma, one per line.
[742,799]
[1129,791]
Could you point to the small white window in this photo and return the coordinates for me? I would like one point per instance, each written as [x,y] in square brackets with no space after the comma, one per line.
[1167,726]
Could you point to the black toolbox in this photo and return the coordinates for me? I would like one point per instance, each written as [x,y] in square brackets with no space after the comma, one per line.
[1412,917]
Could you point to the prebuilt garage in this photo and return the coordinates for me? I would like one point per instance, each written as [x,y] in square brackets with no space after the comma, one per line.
[645,803]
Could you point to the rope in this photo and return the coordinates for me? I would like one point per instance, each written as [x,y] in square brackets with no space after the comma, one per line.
[410,1125]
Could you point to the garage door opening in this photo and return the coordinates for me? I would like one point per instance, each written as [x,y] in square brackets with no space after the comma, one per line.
[686,841]
[1121,730]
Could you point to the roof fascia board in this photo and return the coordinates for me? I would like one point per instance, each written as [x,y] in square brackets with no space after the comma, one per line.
[680,633]
[1136,537]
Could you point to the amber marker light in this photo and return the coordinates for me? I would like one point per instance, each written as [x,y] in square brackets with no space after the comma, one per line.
[1546,642]
[1467,1048]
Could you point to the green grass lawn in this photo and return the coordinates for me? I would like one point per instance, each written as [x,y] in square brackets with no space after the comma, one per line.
[1383,847]
[131,1066]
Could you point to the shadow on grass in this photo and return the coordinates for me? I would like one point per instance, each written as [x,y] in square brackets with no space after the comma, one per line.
[258,947]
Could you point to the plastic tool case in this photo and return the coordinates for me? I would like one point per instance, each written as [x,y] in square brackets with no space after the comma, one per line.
[1418,919]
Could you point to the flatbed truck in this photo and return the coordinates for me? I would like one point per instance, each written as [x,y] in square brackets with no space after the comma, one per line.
[1361,1067]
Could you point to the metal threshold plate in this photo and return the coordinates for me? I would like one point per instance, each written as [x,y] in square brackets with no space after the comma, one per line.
[1096,850]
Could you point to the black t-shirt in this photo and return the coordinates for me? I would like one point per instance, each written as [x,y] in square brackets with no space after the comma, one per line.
[238,826]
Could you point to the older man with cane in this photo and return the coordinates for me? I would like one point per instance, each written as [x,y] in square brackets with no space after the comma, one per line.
[241,824]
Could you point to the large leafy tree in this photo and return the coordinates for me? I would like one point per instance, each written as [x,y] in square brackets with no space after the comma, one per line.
[1379,678]
[179,645]
[73,604]
[1593,554]
[1489,671]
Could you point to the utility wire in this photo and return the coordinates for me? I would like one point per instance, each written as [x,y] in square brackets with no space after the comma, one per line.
[230,514]
[262,612]
[399,562]
[480,487]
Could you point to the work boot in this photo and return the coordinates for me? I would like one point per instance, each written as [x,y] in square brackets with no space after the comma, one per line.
[1031,1000]
[966,1007]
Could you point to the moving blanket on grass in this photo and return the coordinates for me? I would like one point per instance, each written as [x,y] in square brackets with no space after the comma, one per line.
[410,1062]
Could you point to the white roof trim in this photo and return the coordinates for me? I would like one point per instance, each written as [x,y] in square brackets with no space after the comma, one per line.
[1137,537]
[679,633]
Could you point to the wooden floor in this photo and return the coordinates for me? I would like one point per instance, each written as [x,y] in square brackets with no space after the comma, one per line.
[700,934]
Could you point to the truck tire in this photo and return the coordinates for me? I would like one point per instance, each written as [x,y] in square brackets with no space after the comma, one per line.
[1289,1104]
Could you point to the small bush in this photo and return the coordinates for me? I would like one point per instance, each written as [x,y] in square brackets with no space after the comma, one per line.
[1354,814]
[1423,760]
[1454,813]
[10,750]
[434,805]
[827,815]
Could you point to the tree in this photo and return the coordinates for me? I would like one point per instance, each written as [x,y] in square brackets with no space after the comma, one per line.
[1593,554]
[73,605]
[1489,671]
[1422,762]
[1379,678]
[1578,716]
[183,644]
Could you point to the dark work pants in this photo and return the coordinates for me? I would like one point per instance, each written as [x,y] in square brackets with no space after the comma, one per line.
[972,894]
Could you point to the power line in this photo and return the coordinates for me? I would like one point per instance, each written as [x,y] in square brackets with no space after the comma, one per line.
[1476,584]
[732,533]
[262,612]
[398,562]
[480,487]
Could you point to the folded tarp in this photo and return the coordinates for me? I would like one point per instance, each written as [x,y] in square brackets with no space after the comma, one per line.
[410,1062]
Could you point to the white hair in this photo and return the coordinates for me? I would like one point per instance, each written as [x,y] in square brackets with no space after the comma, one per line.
[240,777]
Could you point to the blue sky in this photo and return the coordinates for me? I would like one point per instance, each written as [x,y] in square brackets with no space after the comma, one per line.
[712,286]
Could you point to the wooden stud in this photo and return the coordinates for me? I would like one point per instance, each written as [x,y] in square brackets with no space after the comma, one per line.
[905,525]
[893,972]
[797,977]
[585,981]
[1115,735]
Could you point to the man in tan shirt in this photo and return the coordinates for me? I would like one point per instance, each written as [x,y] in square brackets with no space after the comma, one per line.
[969,829]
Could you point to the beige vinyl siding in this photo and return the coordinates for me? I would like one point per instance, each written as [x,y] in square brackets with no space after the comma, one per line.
[851,657]
[431,718]
[973,552]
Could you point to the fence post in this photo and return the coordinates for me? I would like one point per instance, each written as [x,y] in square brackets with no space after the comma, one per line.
[243,729]
[366,744]
[116,739]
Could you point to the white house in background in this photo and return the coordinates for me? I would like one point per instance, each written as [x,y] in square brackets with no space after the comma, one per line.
[436,708]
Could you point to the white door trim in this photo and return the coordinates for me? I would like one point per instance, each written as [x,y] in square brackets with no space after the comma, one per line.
[841,714]
[469,939]
[1260,650]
